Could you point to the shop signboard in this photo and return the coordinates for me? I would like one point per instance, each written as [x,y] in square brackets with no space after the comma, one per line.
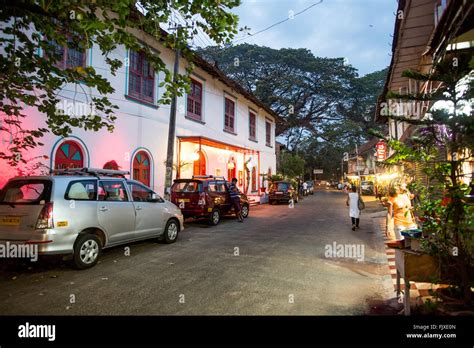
[381,151]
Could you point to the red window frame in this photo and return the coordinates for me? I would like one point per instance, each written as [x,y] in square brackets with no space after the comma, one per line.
[141,77]
[69,155]
[252,125]
[229,115]
[142,168]
[268,133]
[194,106]
[65,50]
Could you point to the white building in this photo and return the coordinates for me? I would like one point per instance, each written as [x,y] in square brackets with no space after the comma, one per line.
[220,128]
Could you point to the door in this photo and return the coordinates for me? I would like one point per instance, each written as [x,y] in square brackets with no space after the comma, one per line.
[150,219]
[115,212]
[21,203]
[142,168]
[223,192]
[231,173]
[199,166]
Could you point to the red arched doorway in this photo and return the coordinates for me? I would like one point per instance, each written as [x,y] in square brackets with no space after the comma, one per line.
[231,169]
[199,167]
[69,155]
[141,168]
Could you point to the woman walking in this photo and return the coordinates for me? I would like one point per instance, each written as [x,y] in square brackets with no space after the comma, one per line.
[353,204]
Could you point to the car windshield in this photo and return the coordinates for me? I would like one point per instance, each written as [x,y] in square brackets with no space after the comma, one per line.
[187,186]
[280,186]
[26,192]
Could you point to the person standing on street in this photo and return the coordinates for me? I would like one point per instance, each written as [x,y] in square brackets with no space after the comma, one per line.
[353,203]
[235,199]
[305,189]
[401,210]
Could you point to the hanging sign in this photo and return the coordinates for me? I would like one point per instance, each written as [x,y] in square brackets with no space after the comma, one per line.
[381,151]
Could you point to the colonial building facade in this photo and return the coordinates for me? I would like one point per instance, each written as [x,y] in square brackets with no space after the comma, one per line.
[221,129]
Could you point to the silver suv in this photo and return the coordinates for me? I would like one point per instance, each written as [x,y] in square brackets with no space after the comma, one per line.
[82,211]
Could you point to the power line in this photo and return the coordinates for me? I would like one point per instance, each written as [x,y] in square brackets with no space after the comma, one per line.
[280,22]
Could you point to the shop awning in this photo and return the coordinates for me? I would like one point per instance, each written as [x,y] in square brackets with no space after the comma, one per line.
[203,141]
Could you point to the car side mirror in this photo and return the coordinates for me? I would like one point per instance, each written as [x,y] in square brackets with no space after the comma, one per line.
[155,198]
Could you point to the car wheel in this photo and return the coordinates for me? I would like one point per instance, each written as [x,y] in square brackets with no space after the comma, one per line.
[87,250]
[171,232]
[245,211]
[215,217]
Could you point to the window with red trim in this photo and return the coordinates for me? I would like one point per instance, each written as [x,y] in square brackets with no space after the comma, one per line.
[141,81]
[195,101]
[268,133]
[69,155]
[252,126]
[70,55]
[229,118]
[142,168]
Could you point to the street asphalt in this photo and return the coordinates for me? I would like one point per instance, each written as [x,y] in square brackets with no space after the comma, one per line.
[275,263]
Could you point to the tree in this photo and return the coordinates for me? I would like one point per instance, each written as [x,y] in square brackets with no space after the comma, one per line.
[291,165]
[445,215]
[325,107]
[303,89]
[33,80]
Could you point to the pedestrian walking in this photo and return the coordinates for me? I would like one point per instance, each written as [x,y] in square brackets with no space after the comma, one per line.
[235,199]
[353,203]
[305,189]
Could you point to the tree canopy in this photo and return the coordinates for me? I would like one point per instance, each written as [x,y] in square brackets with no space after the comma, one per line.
[325,106]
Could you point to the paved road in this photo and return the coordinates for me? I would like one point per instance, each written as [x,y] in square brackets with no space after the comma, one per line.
[281,268]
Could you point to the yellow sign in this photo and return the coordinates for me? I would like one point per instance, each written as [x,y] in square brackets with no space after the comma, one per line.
[62,224]
[10,221]
[184,200]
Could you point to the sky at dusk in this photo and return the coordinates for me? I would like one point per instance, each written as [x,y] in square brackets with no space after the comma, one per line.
[358,30]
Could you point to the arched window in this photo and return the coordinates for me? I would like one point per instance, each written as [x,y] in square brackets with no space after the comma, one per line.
[254,179]
[69,155]
[141,168]
[199,167]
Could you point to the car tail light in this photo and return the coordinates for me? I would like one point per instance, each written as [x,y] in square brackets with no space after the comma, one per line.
[45,218]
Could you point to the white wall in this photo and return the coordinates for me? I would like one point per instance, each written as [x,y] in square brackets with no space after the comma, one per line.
[141,126]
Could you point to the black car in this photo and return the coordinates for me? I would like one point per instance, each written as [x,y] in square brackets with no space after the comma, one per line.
[282,191]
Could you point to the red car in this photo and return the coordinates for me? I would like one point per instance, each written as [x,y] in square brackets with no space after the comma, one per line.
[205,197]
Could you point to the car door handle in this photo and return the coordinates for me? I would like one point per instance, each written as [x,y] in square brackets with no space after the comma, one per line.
[138,208]
[104,209]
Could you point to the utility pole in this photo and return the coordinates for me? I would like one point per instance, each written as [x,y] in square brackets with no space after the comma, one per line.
[358,168]
[342,169]
[172,125]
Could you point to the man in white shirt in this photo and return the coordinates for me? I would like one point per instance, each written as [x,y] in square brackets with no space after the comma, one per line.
[305,189]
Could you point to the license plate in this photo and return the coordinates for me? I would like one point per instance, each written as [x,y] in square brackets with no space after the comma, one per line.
[184,200]
[9,221]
